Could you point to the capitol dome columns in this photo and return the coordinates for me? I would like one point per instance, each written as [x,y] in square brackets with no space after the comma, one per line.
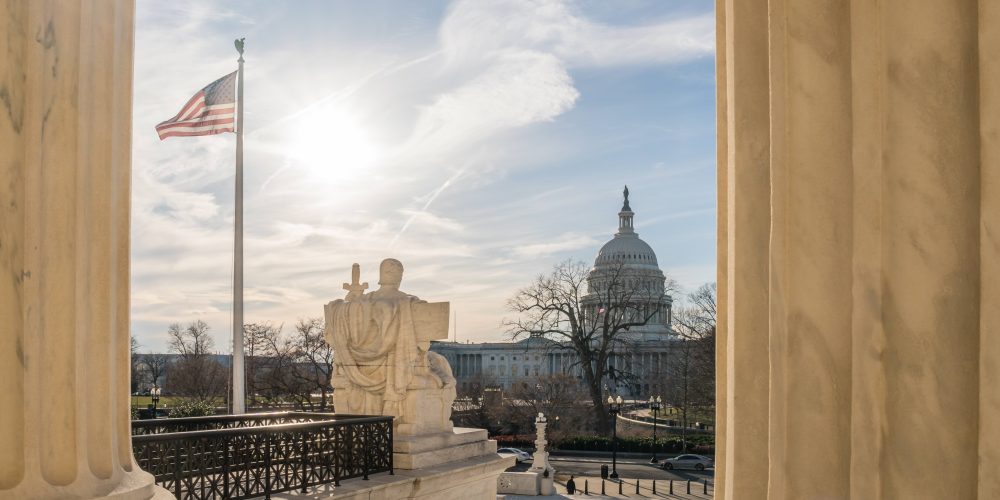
[65,146]
[859,256]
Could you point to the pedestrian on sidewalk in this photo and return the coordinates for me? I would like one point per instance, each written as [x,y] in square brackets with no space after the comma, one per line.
[570,486]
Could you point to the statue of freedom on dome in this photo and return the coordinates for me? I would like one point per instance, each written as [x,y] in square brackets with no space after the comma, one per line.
[382,362]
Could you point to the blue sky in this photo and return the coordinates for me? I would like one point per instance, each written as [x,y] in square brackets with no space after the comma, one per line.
[479,142]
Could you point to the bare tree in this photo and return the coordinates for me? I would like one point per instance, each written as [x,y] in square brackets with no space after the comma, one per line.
[313,359]
[559,395]
[553,308]
[289,368]
[479,405]
[262,346]
[473,385]
[191,341]
[153,367]
[691,370]
[195,373]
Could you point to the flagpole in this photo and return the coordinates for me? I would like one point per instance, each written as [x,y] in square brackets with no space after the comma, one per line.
[239,391]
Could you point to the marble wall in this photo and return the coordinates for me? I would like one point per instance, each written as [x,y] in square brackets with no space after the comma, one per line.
[859,256]
[65,152]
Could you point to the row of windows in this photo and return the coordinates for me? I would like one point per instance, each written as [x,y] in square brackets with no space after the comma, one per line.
[647,285]
[620,256]
[513,358]
[528,370]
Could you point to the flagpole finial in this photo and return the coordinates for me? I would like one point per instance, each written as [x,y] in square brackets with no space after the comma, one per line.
[239,46]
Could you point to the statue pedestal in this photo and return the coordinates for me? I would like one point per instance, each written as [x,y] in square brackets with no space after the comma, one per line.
[458,465]
[426,410]
[416,452]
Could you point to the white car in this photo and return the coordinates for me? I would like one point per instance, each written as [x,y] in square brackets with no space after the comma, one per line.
[519,455]
[689,461]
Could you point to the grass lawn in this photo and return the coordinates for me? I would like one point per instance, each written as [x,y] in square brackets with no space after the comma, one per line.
[698,415]
[695,415]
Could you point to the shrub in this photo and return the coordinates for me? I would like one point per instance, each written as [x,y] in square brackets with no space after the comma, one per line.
[515,441]
[671,444]
[192,409]
[696,444]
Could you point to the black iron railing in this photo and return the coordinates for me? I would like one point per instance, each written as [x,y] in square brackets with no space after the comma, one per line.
[215,422]
[245,456]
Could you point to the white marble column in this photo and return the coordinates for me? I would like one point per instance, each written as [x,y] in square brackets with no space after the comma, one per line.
[65,151]
[859,256]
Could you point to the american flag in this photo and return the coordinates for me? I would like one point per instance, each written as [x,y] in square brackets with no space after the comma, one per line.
[210,111]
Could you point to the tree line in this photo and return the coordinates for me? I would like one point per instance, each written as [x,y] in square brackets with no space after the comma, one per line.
[294,367]
[282,367]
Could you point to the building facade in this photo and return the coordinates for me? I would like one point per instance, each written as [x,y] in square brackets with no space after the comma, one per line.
[625,269]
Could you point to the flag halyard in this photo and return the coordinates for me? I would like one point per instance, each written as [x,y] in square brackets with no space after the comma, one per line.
[210,111]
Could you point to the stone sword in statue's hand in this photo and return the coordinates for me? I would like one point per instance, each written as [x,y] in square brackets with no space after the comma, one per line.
[354,289]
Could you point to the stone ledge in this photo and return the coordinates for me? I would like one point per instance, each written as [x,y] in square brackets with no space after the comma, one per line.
[471,479]
[417,444]
[409,461]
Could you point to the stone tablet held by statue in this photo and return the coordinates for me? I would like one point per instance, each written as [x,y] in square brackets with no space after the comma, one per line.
[382,362]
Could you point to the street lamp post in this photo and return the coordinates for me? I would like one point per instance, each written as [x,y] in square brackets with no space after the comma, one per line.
[654,405]
[154,394]
[614,408]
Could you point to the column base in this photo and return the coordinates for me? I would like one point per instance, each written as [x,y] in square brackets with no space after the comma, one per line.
[134,485]
[138,485]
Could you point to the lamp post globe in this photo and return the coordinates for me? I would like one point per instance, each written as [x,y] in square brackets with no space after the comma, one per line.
[154,395]
[614,407]
[654,406]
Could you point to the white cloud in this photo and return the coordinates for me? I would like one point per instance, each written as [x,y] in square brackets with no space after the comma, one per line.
[474,28]
[431,221]
[518,89]
[562,243]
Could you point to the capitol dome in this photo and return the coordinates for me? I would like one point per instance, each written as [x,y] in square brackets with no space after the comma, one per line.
[626,248]
[626,270]
[630,249]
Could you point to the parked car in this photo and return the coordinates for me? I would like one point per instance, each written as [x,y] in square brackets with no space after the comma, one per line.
[519,455]
[689,461]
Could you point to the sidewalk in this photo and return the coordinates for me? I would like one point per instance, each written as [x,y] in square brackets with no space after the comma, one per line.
[593,487]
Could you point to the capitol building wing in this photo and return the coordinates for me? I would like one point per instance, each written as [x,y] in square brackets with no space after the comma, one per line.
[625,269]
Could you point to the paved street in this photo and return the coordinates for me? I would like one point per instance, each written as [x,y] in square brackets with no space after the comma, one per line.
[627,469]
[587,474]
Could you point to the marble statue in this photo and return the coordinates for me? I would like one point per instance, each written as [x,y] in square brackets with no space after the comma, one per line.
[383,366]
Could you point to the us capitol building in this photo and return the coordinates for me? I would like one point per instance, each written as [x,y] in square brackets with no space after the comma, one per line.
[638,369]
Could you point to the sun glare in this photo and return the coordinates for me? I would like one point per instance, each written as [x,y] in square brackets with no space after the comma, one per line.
[331,144]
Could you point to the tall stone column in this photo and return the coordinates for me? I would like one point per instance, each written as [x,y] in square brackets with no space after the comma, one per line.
[743,204]
[65,129]
[859,148]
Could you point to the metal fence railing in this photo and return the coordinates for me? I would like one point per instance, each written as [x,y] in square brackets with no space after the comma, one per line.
[245,456]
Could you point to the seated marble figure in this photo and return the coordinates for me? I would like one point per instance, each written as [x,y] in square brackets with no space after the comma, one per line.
[382,361]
